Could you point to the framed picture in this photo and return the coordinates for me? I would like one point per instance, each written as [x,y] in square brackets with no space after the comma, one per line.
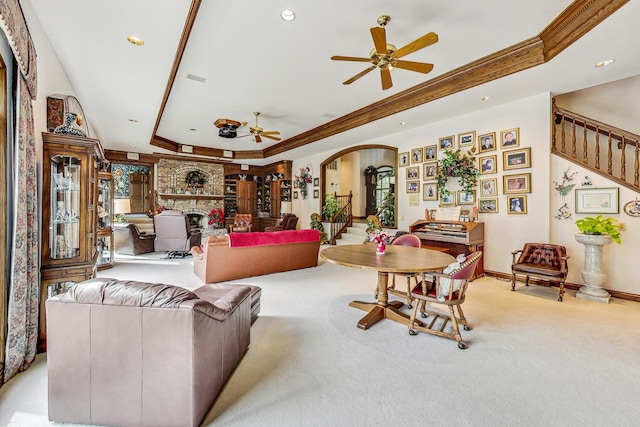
[413,172]
[430,152]
[448,199]
[520,183]
[466,198]
[466,139]
[413,186]
[295,194]
[316,182]
[517,204]
[516,159]
[509,138]
[416,155]
[430,170]
[487,142]
[597,200]
[488,205]
[316,193]
[445,142]
[429,191]
[488,187]
[488,164]
[403,159]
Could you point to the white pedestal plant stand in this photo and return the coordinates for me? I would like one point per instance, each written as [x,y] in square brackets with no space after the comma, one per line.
[592,275]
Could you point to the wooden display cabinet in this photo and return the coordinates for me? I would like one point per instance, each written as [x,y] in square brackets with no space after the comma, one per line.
[69,218]
[105,230]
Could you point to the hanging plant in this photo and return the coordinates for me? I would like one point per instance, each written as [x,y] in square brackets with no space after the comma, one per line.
[456,164]
[195,179]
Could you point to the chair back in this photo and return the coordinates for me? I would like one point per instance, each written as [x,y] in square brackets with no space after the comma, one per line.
[173,232]
[465,272]
[407,240]
[543,254]
[289,222]
[242,219]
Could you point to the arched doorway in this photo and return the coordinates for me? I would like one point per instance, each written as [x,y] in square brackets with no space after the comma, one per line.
[344,171]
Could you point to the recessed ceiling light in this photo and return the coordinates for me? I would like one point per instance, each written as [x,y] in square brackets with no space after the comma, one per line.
[193,129]
[133,120]
[288,15]
[485,98]
[135,40]
[403,123]
[605,63]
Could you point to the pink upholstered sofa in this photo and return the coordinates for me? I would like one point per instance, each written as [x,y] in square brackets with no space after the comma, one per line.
[238,255]
[143,354]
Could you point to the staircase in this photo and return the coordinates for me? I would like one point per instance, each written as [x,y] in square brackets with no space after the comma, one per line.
[602,148]
[357,233]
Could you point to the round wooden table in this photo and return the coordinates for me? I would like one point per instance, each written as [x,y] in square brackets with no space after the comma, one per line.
[396,259]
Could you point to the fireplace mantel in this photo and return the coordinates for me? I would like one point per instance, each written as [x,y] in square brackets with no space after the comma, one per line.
[192,196]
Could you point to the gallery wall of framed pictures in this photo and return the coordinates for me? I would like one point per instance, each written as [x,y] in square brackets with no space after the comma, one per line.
[498,153]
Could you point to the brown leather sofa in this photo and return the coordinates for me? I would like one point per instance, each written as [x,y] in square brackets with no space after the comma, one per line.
[217,261]
[288,221]
[129,240]
[142,354]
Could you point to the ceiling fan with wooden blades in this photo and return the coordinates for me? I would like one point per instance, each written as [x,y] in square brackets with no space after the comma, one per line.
[260,133]
[386,57]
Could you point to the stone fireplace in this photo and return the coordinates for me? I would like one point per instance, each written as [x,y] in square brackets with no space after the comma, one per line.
[174,191]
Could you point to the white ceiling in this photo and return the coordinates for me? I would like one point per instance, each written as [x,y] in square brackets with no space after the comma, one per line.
[252,60]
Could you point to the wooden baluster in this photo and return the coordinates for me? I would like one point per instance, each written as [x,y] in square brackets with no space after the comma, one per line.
[597,159]
[609,158]
[623,160]
[636,167]
[574,142]
[562,124]
[585,151]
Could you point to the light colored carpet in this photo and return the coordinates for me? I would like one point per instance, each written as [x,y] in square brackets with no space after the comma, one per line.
[531,361]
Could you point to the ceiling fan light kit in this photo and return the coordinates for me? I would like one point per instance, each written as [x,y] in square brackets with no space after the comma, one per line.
[386,56]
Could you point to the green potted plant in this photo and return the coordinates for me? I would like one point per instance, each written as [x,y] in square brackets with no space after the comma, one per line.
[456,164]
[600,225]
[331,207]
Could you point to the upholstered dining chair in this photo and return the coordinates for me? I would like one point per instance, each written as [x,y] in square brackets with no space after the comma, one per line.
[449,290]
[542,261]
[405,240]
[288,221]
[241,223]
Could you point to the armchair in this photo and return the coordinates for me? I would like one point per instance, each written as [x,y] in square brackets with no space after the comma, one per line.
[288,221]
[129,240]
[173,232]
[543,261]
[241,224]
[448,290]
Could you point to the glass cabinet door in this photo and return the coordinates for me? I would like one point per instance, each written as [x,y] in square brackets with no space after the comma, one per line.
[65,207]
[104,202]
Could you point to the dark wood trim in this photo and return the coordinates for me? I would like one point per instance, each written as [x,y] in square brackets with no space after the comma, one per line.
[577,19]
[186,32]
[573,286]
[115,156]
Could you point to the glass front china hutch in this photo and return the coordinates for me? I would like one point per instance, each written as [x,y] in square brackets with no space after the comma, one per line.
[69,215]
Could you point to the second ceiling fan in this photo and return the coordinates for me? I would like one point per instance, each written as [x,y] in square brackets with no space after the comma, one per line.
[387,57]
[260,133]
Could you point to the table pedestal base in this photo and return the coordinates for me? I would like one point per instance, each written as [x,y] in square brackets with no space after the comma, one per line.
[377,312]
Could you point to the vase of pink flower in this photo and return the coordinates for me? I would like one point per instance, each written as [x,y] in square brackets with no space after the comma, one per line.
[380,240]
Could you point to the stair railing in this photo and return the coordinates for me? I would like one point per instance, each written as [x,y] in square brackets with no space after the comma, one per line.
[582,140]
[343,219]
